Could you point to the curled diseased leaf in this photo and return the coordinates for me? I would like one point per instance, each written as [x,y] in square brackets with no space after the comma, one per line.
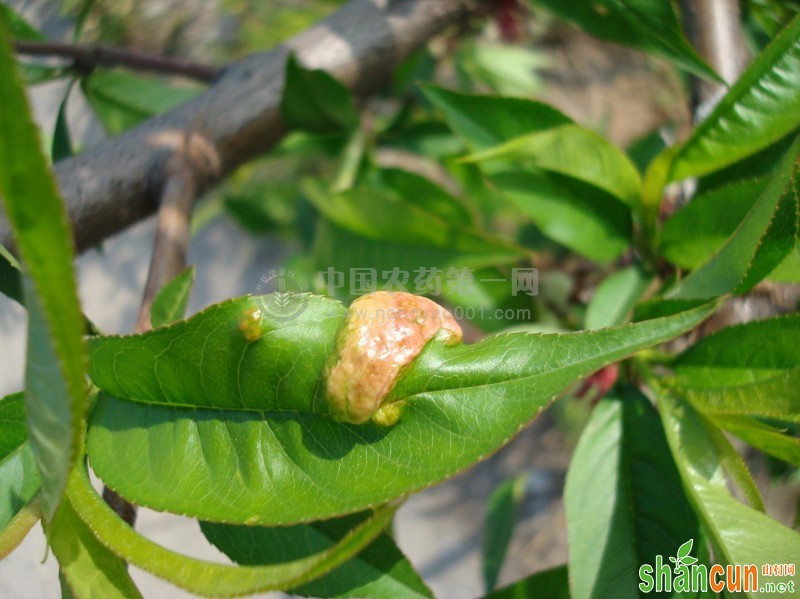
[229,346]
[383,332]
[234,355]
[234,430]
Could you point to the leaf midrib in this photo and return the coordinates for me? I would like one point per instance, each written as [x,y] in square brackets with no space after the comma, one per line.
[437,392]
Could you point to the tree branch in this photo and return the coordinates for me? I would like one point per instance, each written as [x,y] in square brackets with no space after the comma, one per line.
[172,235]
[714,27]
[86,58]
[115,184]
[169,259]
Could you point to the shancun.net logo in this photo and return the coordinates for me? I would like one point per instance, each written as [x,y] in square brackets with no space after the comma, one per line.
[686,575]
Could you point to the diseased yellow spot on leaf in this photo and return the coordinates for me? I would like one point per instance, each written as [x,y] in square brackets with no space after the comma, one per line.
[250,324]
[388,414]
[382,333]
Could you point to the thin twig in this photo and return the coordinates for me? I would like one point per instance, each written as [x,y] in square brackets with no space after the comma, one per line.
[86,58]
[715,29]
[168,260]
[172,237]
[110,186]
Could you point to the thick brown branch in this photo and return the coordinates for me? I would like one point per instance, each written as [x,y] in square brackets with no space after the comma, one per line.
[116,183]
[86,58]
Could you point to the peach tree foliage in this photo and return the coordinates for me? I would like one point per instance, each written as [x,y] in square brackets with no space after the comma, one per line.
[251,415]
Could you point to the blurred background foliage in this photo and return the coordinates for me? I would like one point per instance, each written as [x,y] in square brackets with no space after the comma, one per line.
[389,184]
[385,185]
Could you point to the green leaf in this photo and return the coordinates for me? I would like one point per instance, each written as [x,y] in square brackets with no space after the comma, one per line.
[623,499]
[769,439]
[170,303]
[502,510]
[746,353]
[480,293]
[656,307]
[11,283]
[503,68]
[66,591]
[698,230]
[33,74]
[644,149]
[86,7]
[747,369]
[487,121]
[234,433]
[18,27]
[234,355]
[207,578]
[571,182]
[771,15]
[343,250]
[739,534]
[760,243]
[19,477]
[87,567]
[552,584]
[379,571]
[760,165]
[352,161]
[264,201]
[582,217]
[488,300]
[777,397]
[56,360]
[649,25]
[10,276]
[316,102]
[123,99]
[418,66]
[62,141]
[423,193]
[615,298]
[573,151]
[18,528]
[384,215]
[761,107]
[788,271]
[733,465]
[431,138]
